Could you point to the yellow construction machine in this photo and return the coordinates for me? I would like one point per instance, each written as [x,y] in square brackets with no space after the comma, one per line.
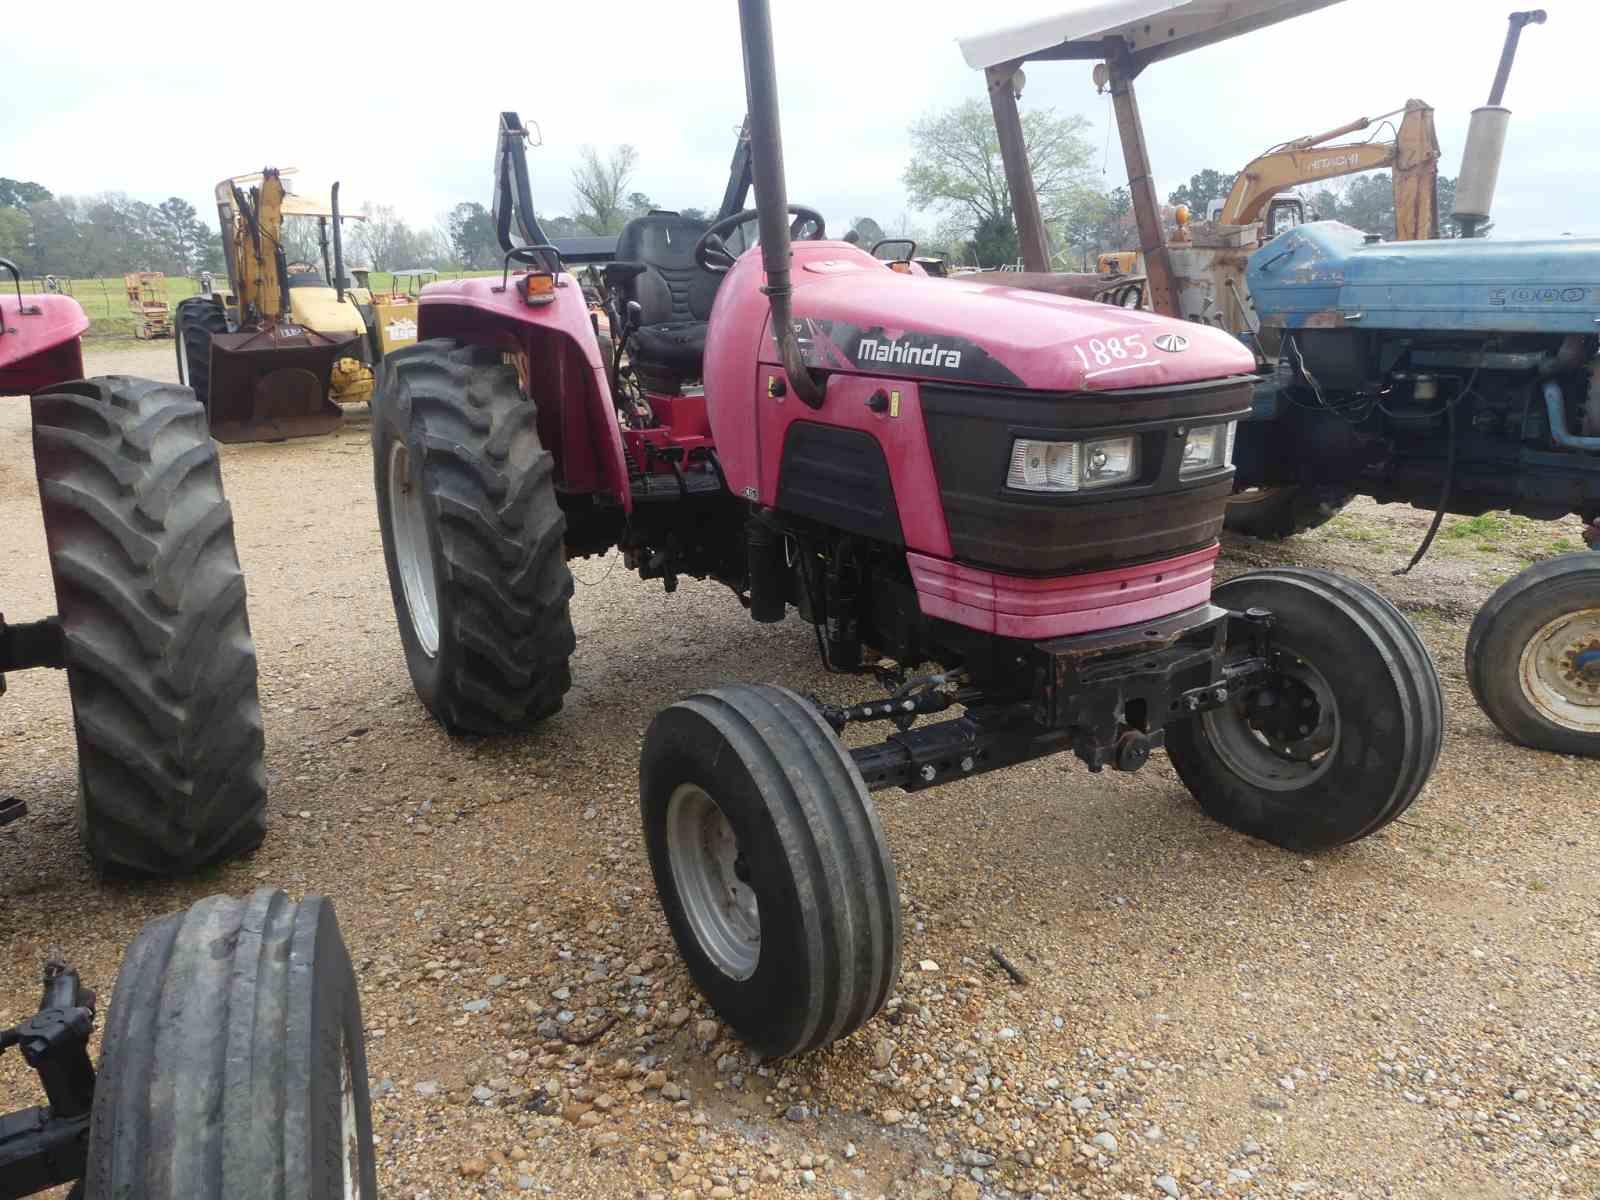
[276,355]
[1208,259]
[391,312]
[1413,153]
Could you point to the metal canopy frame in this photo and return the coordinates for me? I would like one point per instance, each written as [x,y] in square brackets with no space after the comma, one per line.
[1127,36]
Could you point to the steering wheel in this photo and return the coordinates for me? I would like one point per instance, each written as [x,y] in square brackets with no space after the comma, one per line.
[711,255]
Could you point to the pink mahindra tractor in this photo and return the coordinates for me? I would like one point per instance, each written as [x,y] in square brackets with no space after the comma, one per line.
[232,1062]
[1020,491]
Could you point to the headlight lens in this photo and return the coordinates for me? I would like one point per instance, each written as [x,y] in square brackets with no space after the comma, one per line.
[1208,448]
[1038,466]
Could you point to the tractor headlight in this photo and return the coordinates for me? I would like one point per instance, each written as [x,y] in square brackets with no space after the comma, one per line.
[1038,466]
[1208,448]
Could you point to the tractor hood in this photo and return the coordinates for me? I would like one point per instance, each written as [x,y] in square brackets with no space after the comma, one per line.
[855,315]
[1326,275]
[319,308]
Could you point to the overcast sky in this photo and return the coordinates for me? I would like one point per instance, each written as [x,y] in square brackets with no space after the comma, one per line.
[124,97]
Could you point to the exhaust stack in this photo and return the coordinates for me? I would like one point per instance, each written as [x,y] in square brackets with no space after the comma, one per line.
[1486,137]
[772,197]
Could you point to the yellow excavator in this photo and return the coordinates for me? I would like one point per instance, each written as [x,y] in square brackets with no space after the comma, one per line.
[1208,259]
[275,355]
[1413,153]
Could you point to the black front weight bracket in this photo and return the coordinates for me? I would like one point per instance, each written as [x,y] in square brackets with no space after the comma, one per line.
[1106,696]
[47,1146]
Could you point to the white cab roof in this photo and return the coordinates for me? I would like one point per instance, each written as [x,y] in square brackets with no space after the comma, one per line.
[1152,28]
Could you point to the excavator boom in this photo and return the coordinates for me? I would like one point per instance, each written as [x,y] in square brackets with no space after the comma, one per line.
[1414,154]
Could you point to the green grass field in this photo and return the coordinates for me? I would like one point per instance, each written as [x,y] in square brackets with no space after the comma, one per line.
[105,300]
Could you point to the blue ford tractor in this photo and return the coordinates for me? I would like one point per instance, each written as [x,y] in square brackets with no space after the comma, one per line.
[1458,375]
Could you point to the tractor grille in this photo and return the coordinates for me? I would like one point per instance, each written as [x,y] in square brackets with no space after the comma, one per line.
[970,431]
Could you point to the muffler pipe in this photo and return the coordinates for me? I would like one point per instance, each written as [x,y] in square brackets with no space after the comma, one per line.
[772,197]
[338,247]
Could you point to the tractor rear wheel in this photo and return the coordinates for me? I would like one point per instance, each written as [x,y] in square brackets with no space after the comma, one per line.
[1344,739]
[473,538]
[1533,655]
[233,1065]
[197,319]
[771,866]
[1281,512]
[160,663]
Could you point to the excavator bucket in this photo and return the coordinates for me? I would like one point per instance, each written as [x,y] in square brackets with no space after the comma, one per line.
[272,384]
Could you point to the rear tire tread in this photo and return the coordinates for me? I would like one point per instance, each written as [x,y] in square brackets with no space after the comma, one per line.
[158,637]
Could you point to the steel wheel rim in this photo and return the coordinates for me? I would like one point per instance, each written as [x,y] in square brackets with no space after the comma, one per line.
[413,550]
[1274,764]
[719,906]
[1559,671]
[349,1124]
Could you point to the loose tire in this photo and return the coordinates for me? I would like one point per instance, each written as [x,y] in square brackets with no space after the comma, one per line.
[233,1065]
[771,866]
[1343,743]
[160,663]
[1281,512]
[197,319]
[1533,655]
[473,538]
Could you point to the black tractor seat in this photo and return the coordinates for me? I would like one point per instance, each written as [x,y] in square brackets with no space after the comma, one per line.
[655,268]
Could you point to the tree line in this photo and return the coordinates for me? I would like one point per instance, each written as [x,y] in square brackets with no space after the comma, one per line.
[106,234]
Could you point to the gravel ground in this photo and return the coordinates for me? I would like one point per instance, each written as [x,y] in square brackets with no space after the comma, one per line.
[1414,1015]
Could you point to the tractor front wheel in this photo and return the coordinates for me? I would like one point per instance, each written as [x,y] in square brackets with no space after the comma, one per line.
[1533,655]
[1345,736]
[473,538]
[771,866]
[233,1065]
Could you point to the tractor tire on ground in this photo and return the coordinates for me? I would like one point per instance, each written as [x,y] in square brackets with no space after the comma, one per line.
[233,1065]
[1345,742]
[1281,512]
[197,319]
[160,663]
[1533,655]
[473,538]
[771,866]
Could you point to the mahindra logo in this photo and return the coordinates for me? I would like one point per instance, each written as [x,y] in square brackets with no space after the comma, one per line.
[873,350]
[1172,343]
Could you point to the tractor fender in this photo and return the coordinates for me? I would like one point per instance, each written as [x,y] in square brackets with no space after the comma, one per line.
[558,359]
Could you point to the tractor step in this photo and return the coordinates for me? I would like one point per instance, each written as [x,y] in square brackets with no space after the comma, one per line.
[674,487]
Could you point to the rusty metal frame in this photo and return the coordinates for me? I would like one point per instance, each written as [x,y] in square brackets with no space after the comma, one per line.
[1123,65]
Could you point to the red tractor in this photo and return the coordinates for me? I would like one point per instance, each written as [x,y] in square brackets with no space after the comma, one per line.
[1023,490]
[233,1062]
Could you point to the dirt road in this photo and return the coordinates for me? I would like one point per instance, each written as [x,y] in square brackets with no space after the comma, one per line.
[1417,1015]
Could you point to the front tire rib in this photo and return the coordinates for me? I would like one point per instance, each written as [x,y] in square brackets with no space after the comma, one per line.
[809,847]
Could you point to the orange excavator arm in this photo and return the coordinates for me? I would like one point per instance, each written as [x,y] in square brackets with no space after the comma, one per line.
[1413,154]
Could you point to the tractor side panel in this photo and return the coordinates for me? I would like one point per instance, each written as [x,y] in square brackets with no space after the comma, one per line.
[887,489]
[558,359]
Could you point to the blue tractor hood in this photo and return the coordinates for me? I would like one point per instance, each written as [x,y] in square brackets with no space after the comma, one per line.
[1325,275]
